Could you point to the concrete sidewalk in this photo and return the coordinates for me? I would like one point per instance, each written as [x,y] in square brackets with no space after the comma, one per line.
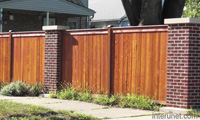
[95,110]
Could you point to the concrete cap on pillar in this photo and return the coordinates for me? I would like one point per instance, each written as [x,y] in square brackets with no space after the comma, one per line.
[55,27]
[182,21]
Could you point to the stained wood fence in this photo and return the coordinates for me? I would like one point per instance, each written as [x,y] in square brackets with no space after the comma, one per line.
[117,60]
[113,60]
[22,57]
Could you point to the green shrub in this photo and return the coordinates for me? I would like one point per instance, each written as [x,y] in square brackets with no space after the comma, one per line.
[52,95]
[35,90]
[21,89]
[2,84]
[140,102]
[114,100]
[128,101]
[85,96]
[194,113]
[102,100]
[68,93]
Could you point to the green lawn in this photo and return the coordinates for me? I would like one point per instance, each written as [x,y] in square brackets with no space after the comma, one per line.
[18,111]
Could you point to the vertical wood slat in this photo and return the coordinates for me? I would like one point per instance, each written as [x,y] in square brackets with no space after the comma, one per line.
[120,62]
[18,64]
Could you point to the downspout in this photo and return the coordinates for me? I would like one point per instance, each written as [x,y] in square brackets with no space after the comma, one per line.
[121,20]
[1,20]
[89,21]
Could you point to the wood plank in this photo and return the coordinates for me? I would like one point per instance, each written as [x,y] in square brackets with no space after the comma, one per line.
[94,65]
[121,56]
[106,45]
[143,65]
[148,66]
[133,64]
[155,64]
[129,64]
[112,82]
[102,63]
[163,69]
[98,52]
[125,67]
[90,62]
[87,62]
[116,59]
[138,64]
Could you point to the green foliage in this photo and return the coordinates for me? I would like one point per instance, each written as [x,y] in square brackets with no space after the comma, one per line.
[35,90]
[102,100]
[18,111]
[68,93]
[106,100]
[21,89]
[128,101]
[85,96]
[140,102]
[52,95]
[194,112]
[3,84]
[192,9]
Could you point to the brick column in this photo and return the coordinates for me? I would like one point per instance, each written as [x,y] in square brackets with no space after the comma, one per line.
[53,49]
[183,74]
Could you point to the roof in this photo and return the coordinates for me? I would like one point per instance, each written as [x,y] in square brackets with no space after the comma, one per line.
[56,6]
[107,10]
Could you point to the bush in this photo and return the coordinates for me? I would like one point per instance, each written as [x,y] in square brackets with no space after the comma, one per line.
[21,89]
[135,101]
[85,96]
[128,101]
[52,95]
[69,93]
[102,100]
[2,85]
[35,90]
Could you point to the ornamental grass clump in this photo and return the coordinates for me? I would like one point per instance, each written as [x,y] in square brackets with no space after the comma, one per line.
[68,93]
[21,89]
[85,96]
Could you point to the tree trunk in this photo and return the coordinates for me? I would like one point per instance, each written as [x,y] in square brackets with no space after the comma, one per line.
[173,9]
[133,8]
[151,13]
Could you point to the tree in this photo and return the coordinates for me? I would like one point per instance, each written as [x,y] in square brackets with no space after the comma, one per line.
[192,9]
[151,12]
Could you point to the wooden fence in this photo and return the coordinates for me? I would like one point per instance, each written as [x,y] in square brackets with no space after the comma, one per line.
[22,57]
[117,60]
[113,60]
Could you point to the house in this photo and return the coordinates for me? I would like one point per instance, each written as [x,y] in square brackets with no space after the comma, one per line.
[108,12]
[31,15]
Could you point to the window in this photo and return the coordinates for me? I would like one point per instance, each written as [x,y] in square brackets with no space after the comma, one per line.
[52,21]
[72,25]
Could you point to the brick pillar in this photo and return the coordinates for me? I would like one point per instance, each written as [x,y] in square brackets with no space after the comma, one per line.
[53,49]
[183,74]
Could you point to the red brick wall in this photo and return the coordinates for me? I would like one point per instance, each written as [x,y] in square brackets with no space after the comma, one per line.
[53,42]
[183,74]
